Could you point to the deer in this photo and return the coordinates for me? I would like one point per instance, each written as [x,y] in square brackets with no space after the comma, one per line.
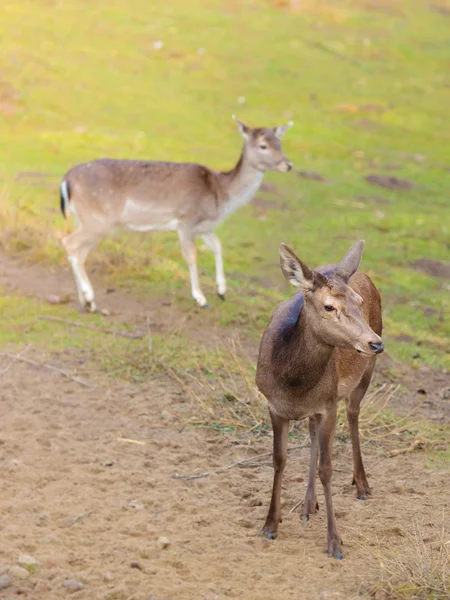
[319,347]
[191,199]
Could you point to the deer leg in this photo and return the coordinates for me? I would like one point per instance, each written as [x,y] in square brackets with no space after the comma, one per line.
[280,439]
[326,434]
[311,505]
[213,242]
[187,242]
[353,405]
[78,245]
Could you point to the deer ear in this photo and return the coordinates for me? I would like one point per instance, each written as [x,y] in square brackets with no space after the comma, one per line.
[281,130]
[294,270]
[244,129]
[350,263]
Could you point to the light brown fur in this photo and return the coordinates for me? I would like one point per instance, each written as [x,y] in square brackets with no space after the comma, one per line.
[309,359]
[188,198]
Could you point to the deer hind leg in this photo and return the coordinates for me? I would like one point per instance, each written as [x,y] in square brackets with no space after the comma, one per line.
[213,242]
[78,245]
[353,403]
[311,505]
[187,242]
[326,433]
[280,440]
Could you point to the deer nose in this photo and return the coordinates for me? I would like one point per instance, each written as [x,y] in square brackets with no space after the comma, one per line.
[376,347]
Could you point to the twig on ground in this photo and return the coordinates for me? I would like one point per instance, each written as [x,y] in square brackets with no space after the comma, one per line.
[69,521]
[416,445]
[129,441]
[238,463]
[133,336]
[34,363]
[7,368]
[296,505]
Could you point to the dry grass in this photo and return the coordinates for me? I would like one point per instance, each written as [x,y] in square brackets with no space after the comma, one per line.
[227,399]
[421,569]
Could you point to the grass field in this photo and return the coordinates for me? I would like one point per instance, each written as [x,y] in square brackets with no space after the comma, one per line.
[367,87]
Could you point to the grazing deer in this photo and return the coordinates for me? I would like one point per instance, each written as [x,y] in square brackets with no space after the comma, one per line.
[188,198]
[319,347]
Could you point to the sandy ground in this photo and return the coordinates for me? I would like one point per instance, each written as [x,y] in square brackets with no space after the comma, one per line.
[89,503]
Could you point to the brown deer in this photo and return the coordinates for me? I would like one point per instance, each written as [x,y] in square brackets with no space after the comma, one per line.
[190,199]
[320,346]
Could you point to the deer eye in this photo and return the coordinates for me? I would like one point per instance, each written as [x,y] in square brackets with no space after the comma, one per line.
[329,308]
[263,146]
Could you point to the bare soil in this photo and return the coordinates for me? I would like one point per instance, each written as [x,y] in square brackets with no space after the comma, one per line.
[88,486]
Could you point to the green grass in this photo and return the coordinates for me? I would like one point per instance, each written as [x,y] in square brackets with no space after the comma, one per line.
[367,89]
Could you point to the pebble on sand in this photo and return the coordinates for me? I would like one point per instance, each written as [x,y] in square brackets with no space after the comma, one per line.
[73,585]
[26,559]
[163,542]
[5,582]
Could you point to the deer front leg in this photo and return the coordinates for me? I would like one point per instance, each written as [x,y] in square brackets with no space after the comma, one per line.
[187,242]
[280,439]
[213,242]
[326,434]
[311,505]
[353,405]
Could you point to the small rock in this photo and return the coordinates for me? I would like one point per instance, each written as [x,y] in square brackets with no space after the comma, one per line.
[136,565]
[108,463]
[110,290]
[108,577]
[105,312]
[5,582]
[41,587]
[163,542]
[255,502]
[73,585]
[19,572]
[158,44]
[26,560]
[135,505]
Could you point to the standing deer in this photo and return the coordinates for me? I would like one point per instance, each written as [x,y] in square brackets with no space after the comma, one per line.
[188,198]
[320,346]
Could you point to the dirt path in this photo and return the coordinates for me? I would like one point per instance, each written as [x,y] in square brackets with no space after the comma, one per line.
[61,458]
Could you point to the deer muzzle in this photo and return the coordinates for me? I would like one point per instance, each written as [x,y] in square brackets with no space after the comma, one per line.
[284,165]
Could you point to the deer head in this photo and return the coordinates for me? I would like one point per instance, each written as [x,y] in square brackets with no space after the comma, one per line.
[333,309]
[262,147]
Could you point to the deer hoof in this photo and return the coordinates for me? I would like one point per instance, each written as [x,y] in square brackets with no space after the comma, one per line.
[205,306]
[269,535]
[304,518]
[339,556]
[221,296]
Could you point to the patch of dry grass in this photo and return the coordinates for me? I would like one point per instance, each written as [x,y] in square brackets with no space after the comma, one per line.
[225,397]
[420,570]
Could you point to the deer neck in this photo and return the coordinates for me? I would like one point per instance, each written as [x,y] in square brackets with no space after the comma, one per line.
[239,185]
[303,358]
